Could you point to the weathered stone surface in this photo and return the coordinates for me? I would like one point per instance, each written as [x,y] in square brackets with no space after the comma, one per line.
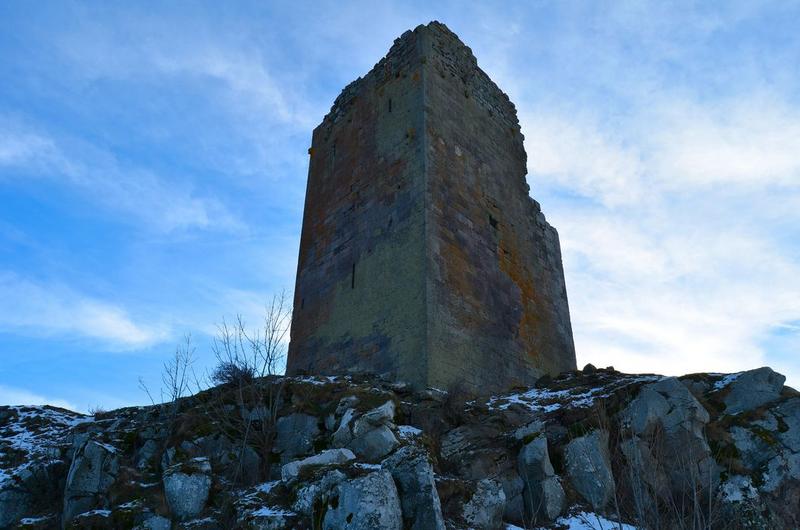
[308,495]
[330,456]
[753,389]
[789,426]
[156,522]
[295,435]
[542,494]
[589,468]
[422,255]
[484,511]
[186,487]
[413,475]
[370,502]
[373,445]
[669,405]
[376,417]
[94,469]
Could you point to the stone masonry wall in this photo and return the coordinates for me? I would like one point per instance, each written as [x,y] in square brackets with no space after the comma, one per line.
[360,292]
[497,300]
[422,255]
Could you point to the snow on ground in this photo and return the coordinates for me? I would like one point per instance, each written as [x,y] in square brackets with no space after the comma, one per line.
[544,400]
[267,511]
[408,432]
[586,521]
[725,381]
[35,432]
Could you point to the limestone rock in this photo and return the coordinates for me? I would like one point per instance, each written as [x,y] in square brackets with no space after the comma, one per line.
[370,502]
[156,522]
[94,469]
[308,495]
[789,425]
[295,435]
[376,417]
[329,456]
[375,444]
[484,511]
[753,389]
[413,475]
[542,494]
[186,487]
[589,468]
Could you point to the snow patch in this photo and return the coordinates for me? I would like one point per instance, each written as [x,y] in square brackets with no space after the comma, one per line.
[268,511]
[591,521]
[737,489]
[725,381]
[407,432]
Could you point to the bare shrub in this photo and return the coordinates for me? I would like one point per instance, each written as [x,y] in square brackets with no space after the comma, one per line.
[246,402]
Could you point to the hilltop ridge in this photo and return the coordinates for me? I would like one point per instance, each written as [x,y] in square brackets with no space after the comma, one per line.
[717,450]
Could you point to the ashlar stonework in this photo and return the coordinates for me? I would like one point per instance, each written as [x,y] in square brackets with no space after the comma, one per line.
[422,255]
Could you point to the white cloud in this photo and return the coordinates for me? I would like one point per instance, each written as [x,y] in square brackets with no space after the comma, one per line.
[45,309]
[136,193]
[19,396]
[753,140]
[582,156]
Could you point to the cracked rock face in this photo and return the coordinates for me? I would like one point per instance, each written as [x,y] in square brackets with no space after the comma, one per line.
[186,487]
[589,468]
[370,502]
[753,389]
[94,469]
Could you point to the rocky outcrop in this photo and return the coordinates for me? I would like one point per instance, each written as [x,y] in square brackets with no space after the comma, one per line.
[542,494]
[330,456]
[599,446]
[370,502]
[589,468]
[413,474]
[752,389]
[94,469]
[186,487]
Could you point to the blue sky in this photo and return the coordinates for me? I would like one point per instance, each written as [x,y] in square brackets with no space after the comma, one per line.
[153,165]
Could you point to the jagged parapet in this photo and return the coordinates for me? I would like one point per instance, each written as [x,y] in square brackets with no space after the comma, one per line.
[422,254]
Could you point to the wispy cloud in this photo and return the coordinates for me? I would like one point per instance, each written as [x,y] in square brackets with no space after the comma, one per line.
[19,396]
[141,194]
[51,309]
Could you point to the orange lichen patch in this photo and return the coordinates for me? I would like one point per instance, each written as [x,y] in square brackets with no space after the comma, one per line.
[530,321]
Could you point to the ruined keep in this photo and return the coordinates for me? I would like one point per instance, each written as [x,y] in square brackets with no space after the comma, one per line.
[422,255]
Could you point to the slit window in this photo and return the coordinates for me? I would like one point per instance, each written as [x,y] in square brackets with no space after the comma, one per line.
[353,277]
[390,104]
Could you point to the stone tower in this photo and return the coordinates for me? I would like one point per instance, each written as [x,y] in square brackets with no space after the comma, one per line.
[422,255]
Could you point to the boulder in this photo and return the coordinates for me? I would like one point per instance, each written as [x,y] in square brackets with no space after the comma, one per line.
[588,465]
[308,495]
[668,405]
[542,494]
[376,417]
[330,456]
[369,502]
[186,487]
[295,435]
[156,522]
[93,470]
[484,511]
[146,455]
[413,475]
[752,389]
[374,444]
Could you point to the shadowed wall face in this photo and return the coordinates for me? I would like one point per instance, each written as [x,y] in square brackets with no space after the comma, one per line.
[422,255]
